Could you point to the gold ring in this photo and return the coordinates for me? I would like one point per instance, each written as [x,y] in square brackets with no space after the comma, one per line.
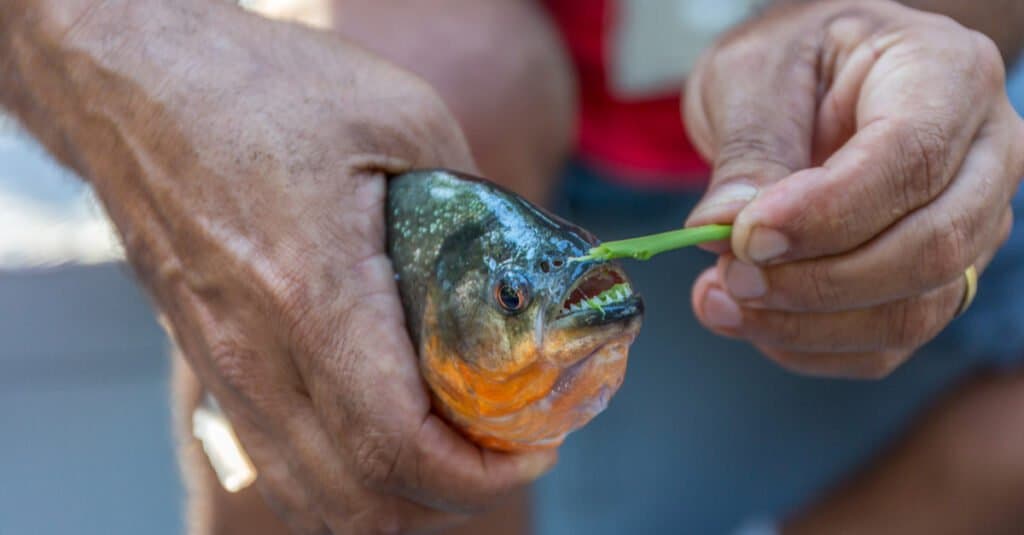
[970,290]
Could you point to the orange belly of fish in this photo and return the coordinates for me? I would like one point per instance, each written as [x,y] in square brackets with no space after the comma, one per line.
[532,409]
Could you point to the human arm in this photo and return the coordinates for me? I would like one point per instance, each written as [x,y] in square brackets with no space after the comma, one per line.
[957,470]
[243,162]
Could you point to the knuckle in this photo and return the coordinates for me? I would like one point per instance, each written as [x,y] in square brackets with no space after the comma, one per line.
[946,254]
[433,117]
[295,300]
[302,327]
[822,290]
[941,21]
[921,167]
[437,115]
[751,153]
[418,130]
[987,62]
[376,461]
[850,27]
[944,311]
[233,365]
[910,325]
[736,52]
[298,306]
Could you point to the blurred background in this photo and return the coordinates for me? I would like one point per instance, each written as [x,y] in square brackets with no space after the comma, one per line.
[84,415]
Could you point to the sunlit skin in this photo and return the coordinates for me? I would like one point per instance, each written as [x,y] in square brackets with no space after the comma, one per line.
[519,347]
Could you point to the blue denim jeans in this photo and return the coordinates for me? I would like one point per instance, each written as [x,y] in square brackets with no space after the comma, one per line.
[705,433]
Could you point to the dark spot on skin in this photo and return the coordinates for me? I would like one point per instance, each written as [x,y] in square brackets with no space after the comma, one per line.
[545,266]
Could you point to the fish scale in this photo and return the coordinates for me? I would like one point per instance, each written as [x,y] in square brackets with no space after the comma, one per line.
[509,361]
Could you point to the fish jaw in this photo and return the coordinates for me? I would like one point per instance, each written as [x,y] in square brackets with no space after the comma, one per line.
[577,371]
[580,392]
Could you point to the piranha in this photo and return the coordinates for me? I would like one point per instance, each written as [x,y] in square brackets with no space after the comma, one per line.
[519,345]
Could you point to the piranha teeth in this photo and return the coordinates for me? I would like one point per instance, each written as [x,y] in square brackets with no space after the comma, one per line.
[612,295]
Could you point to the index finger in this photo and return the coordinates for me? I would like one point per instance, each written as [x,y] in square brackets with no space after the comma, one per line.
[916,113]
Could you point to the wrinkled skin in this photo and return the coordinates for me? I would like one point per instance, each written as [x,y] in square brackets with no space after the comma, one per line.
[873,165]
[513,378]
[244,163]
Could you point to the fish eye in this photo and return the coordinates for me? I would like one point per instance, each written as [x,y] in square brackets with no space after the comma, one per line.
[512,293]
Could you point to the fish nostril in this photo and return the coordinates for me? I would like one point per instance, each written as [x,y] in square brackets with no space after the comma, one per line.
[545,266]
[559,263]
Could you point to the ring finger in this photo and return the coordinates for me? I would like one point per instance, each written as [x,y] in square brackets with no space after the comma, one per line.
[925,250]
[904,324]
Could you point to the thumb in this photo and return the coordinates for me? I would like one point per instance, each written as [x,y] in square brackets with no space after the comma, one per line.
[750,108]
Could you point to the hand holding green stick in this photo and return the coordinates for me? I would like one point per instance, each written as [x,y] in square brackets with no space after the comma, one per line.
[645,247]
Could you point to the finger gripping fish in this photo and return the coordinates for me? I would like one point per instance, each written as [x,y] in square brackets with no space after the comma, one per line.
[518,346]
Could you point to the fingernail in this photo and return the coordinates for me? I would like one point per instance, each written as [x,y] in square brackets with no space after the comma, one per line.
[766,244]
[725,197]
[721,311]
[745,281]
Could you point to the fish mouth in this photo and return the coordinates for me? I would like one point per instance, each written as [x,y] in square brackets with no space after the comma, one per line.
[603,295]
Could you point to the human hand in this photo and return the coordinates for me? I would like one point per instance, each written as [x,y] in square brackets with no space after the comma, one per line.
[866,154]
[244,163]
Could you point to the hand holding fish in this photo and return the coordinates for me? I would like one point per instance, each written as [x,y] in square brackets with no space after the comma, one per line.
[866,154]
[250,192]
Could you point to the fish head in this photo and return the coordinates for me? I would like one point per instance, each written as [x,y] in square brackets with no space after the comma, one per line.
[520,343]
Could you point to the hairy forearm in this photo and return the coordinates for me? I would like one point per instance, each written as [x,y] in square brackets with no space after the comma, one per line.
[31,56]
[169,109]
[93,79]
[111,89]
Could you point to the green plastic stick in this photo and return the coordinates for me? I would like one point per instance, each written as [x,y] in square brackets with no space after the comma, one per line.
[645,247]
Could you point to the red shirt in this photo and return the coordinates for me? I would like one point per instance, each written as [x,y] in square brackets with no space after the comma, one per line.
[641,141]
